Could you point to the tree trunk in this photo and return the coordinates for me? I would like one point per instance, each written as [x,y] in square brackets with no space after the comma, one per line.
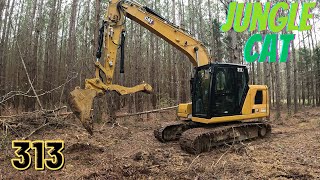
[273,89]
[278,91]
[317,79]
[288,65]
[72,43]
[253,75]
[100,102]
[138,96]
[31,62]
[3,46]
[306,69]
[295,83]
[313,77]
[258,66]
[2,5]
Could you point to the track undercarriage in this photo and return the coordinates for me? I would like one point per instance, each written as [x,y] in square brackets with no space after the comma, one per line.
[196,138]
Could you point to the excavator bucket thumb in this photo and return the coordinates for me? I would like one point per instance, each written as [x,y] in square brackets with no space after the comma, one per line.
[80,103]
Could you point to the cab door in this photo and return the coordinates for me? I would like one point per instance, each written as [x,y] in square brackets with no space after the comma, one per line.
[201,92]
[224,92]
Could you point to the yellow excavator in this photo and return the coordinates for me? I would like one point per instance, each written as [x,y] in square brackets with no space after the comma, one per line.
[224,108]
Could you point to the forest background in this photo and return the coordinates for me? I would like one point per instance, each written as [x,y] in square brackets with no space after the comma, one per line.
[57,40]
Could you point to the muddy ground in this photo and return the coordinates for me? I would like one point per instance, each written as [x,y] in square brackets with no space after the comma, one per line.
[130,151]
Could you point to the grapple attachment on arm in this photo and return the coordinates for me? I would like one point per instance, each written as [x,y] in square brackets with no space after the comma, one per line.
[111,38]
[81,100]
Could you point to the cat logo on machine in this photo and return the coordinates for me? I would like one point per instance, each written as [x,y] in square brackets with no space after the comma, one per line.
[149,20]
[240,70]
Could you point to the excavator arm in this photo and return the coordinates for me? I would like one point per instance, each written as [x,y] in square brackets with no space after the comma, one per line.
[113,33]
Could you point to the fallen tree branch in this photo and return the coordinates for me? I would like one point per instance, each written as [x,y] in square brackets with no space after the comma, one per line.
[45,113]
[37,129]
[147,112]
[29,80]
[35,114]
[234,140]
[59,115]
[124,115]
[20,115]
[117,124]
[32,120]
[12,94]
[193,161]
[52,113]
[56,110]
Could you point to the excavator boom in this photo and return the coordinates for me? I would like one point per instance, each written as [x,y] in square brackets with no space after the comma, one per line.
[224,108]
[112,36]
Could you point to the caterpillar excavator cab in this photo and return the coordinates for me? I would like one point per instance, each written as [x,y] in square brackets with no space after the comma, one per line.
[219,90]
[224,107]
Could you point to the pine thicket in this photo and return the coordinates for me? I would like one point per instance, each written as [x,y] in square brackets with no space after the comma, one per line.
[57,40]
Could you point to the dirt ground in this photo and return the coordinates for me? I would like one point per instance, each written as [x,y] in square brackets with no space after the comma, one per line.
[130,151]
